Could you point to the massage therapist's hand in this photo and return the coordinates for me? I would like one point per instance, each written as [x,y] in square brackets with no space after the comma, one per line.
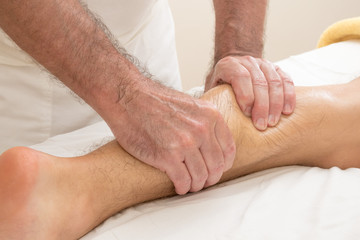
[263,91]
[184,137]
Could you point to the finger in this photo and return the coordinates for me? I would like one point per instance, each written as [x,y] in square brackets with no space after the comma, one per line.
[179,175]
[217,75]
[260,110]
[226,143]
[197,168]
[289,92]
[276,92]
[214,159]
[243,89]
[234,73]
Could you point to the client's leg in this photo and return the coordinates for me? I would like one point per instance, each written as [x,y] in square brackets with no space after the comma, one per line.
[323,131]
[47,197]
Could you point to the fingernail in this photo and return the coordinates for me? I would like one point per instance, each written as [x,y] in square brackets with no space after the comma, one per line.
[248,111]
[260,124]
[287,108]
[272,120]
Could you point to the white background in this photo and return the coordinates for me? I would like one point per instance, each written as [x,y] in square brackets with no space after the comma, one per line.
[292,27]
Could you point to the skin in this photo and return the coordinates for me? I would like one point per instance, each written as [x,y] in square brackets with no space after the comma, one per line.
[73,45]
[39,194]
[263,91]
[100,72]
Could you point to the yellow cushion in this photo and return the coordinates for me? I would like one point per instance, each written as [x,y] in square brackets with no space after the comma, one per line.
[341,31]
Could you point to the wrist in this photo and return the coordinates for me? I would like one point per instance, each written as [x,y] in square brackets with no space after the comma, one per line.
[258,53]
[115,89]
[239,28]
[143,100]
[233,40]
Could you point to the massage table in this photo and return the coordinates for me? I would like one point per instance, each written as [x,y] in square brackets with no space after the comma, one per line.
[292,202]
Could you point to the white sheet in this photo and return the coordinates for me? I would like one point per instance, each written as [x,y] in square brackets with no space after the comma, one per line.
[282,203]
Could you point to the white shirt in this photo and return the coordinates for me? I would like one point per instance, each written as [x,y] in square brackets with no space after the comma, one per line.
[35,107]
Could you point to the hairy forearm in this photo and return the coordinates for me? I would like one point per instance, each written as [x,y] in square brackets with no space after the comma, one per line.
[239,27]
[72,45]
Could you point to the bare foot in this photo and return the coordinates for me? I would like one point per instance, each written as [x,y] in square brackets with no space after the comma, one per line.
[37,200]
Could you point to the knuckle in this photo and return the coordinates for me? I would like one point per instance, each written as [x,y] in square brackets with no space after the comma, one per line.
[288,80]
[260,82]
[275,82]
[186,140]
[249,58]
[217,168]
[243,73]
[228,60]
[265,61]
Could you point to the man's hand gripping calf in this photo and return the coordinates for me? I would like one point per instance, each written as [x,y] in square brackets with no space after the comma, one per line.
[184,137]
